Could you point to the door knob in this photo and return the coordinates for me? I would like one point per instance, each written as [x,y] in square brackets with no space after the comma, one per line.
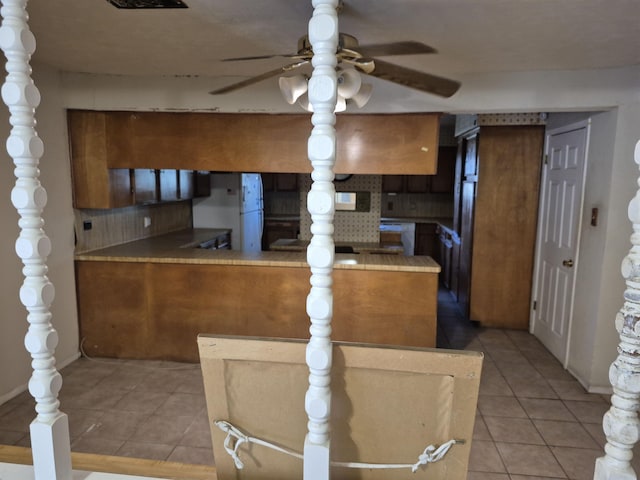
[567,263]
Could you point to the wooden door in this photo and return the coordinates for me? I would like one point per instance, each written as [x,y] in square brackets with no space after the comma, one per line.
[558,236]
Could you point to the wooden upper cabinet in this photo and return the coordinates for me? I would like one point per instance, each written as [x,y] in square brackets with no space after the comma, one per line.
[406,183]
[168,181]
[393,183]
[366,144]
[418,183]
[94,185]
[187,183]
[145,185]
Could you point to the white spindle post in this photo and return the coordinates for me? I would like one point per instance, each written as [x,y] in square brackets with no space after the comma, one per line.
[323,36]
[621,424]
[50,429]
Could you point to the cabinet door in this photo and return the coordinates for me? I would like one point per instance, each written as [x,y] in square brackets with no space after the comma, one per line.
[417,183]
[268,182]
[121,194]
[457,184]
[425,239]
[392,183]
[145,186]
[202,183]
[287,182]
[466,243]
[471,156]
[168,185]
[276,230]
[186,183]
[442,182]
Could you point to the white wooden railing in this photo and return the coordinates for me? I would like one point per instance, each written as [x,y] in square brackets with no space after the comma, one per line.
[323,35]
[50,429]
[621,424]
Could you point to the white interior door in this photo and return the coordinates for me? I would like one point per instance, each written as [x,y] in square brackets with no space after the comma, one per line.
[558,235]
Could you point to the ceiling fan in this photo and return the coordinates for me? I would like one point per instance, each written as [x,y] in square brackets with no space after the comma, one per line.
[363,58]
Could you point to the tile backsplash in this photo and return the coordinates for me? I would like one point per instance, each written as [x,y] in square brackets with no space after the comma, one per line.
[121,225]
[425,205]
[349,226]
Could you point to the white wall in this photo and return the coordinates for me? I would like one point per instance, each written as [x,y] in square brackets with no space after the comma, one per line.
[486,93]
[591,251]
[58,215]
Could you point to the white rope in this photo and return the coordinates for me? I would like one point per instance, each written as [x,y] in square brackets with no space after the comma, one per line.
[236,437]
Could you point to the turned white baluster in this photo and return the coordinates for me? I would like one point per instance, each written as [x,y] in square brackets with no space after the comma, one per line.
[50,430]
[621,424]
[323,36]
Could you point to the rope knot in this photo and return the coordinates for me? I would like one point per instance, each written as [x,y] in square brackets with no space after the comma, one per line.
[432,454]
[232,442]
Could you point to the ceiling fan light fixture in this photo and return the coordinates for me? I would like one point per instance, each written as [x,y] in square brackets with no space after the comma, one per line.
[349,82]
[292,88]
[304,102]
[364,94]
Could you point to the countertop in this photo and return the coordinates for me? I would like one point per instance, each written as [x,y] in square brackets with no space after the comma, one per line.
[446,222]
[293,244]
[179,247]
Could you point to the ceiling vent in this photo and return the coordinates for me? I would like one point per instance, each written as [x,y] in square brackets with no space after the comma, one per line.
[148,3]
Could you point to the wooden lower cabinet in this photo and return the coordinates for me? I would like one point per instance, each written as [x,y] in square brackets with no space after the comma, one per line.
[276,229]
[426,240]
[156,310]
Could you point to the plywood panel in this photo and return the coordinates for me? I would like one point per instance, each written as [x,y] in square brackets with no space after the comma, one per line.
[388,404]
[504,228]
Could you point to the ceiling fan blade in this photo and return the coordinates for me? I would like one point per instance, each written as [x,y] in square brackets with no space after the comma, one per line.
[396,48]
[415,79]
[258,78]
[262,57]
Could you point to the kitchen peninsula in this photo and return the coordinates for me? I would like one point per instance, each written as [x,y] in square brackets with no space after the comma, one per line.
[151,298]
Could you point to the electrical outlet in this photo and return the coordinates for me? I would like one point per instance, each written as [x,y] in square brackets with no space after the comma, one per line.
[87,225]
[147,222]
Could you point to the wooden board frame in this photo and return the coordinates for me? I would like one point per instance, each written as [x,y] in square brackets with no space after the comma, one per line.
[388,404]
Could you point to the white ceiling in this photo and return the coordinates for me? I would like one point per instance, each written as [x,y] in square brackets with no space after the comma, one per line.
[470,35]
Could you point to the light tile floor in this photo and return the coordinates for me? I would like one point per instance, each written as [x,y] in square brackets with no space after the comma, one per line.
[534,420]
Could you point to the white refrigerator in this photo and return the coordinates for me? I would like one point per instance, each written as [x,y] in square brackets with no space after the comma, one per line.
[236,202]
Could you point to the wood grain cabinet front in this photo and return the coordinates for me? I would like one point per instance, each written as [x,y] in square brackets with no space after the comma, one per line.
[366,144]
[94,184]
[157,310]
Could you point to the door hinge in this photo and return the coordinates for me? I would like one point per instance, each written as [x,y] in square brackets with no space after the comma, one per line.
[535,304]
[546,159]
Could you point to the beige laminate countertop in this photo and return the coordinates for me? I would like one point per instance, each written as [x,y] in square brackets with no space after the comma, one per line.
[446,222]
[179,247]
[293,244]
